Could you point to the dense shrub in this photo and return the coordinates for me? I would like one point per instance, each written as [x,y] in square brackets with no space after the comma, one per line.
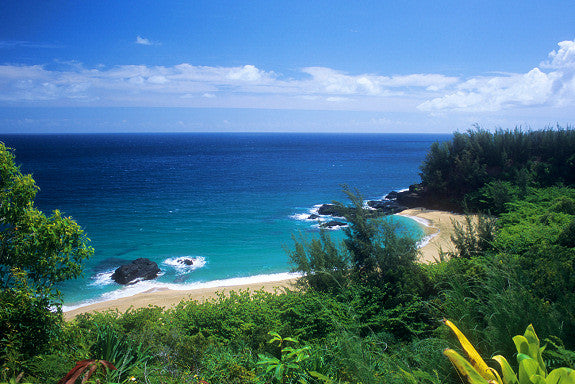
[461,170]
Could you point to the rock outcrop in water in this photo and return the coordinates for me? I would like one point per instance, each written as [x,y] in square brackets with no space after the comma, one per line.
[411,198]
[394,202]
[417,196]
[332,224]
[387,207]
[331,210]
[139,269]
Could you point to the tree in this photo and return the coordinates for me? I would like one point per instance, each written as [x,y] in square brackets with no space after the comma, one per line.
[36,253]
[374,271]
[380,254]
[373,253]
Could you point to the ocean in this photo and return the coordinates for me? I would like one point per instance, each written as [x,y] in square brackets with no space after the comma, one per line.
[230,202]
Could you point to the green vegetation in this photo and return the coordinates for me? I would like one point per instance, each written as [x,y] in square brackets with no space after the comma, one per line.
[36,252]
[532,368]
[366,312]
[485,170]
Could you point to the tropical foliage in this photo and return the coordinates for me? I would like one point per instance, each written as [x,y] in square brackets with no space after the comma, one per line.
[486,170]
[532,369]
[36,252]
[364,312]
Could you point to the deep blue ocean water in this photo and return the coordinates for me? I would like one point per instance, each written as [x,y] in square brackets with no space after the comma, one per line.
[231,202]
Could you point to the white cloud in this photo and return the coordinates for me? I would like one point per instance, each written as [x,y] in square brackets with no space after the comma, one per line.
[246,73]
[123,83]
[333,81]
[143,41]
[496,93]
[534,88]
[563,58]
[550,85]
[336,99]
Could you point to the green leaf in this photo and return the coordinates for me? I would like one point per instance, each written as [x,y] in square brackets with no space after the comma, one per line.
[509,376]
[279,371]
[535,350]
[521,344]
[561,376]
[536,379]
[527,368]
[321,377]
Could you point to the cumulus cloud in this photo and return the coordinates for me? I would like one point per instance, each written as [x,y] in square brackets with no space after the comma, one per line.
[562,58]
[143,41]
[333,81]
[246,73]
[550,84]
[556,86]
[130,83]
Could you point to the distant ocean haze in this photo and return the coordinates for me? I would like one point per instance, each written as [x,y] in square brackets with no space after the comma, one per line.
[231,202]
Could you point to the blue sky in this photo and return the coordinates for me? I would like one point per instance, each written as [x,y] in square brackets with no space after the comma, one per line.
[343,66]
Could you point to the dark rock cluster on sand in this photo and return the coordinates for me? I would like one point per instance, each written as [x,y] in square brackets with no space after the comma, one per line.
[399,201]
[139,269]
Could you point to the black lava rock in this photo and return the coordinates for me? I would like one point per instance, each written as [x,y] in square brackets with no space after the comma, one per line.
[388,207]
[142,269]
[334,223]
[331,210]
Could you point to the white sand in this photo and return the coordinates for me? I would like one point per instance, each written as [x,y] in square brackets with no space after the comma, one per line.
[438,226]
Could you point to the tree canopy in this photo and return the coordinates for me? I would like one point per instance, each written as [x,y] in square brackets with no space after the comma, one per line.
[480,167]
[36,252]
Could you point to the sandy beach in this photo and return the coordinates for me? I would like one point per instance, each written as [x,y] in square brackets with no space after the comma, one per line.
[169,298]
[438,226]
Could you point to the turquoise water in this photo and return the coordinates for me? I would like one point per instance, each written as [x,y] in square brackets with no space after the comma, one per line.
[230,201]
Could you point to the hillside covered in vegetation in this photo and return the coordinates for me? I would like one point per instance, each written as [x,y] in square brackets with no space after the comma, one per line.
[366,311]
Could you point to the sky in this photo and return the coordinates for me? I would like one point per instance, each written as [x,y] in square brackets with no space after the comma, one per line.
[285,66]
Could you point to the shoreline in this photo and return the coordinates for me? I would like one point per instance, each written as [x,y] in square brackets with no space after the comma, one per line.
[437,225]
[169,298]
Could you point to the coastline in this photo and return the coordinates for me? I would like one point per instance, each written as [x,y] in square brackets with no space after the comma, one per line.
[169,298]
[438,227]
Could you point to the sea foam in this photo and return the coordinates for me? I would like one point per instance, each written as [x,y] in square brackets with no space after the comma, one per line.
[178,263]
[312,211]
[149,286]
[102,279]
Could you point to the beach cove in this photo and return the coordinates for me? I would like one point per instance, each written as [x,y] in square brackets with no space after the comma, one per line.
[230,202]
[438,227]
